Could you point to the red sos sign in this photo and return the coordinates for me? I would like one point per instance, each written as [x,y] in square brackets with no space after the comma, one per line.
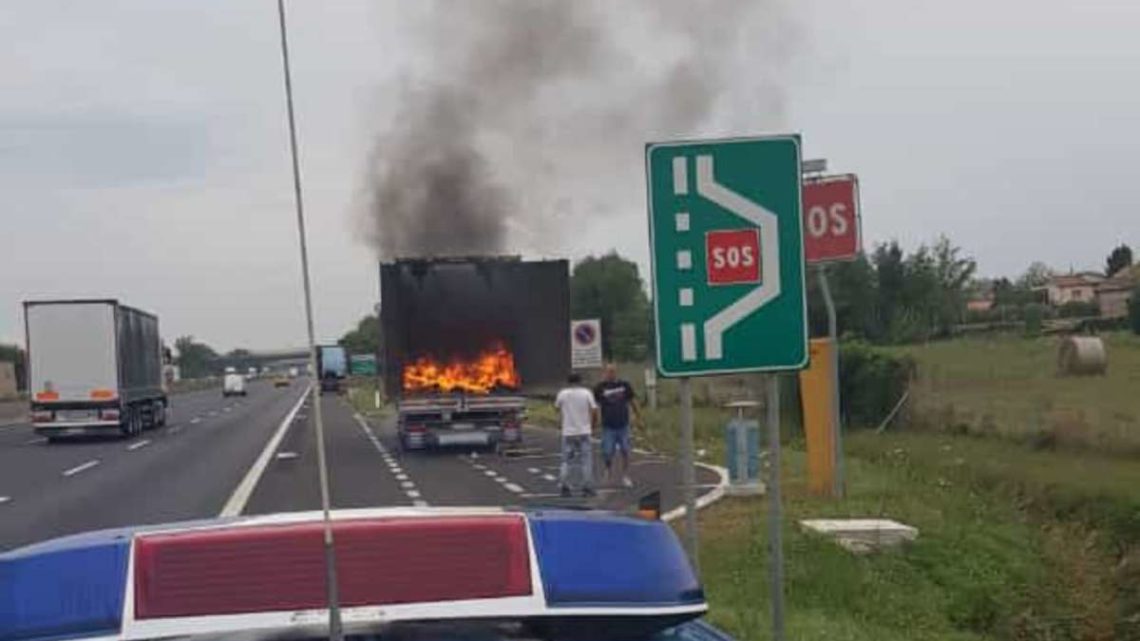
[831,219]
[732,257]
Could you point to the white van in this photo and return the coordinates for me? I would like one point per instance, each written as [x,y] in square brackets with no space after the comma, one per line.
[233,384]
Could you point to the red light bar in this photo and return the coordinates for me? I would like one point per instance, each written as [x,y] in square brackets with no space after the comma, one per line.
[379,562]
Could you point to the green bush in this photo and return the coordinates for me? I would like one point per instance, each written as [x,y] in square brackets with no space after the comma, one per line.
[871,382]
[1034,313]
[1134,311]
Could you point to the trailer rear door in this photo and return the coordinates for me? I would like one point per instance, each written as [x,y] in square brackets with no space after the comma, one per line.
[71,351]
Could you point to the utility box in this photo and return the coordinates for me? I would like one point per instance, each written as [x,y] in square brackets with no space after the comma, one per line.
[742,452]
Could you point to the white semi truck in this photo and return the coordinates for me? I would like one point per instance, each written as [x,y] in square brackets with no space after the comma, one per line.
[94,367]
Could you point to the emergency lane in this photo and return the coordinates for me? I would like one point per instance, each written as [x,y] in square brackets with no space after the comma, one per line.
[187,470]
[367,469]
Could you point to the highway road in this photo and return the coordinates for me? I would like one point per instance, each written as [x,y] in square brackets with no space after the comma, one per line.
[257,455]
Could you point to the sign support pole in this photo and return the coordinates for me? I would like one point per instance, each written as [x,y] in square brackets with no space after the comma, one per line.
[832,333]
[688,472]
[775,519]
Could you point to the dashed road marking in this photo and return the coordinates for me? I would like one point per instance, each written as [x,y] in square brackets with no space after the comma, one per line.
[490,473]
[195,420]
[513,488]
[549,477]
[134,446]
[82,467]
[286,456]
[406,484]
[35,441]
[534,470]
[5,499]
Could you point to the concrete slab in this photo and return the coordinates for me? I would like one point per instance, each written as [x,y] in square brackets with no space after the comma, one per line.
[862,535]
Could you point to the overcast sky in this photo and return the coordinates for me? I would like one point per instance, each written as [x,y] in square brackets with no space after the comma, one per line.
[143,150]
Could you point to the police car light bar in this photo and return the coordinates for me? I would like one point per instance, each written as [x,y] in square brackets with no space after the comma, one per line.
[393,565]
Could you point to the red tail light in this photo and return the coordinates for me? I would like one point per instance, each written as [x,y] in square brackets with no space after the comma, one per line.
[43,416]
[379,562]
[109,414]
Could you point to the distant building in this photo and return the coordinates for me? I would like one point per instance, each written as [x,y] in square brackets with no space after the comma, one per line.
[983,304]
[1073,288]
[1113,294]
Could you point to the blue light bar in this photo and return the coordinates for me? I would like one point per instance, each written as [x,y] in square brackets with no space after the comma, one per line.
[69,587]
[589,559]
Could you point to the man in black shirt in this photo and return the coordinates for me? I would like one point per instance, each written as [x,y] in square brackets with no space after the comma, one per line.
[615,400]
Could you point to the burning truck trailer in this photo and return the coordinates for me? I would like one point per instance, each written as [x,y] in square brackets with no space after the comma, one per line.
[466,340]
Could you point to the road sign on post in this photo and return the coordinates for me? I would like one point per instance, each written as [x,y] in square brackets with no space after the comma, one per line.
[727,255]
[586,344]
[831,219]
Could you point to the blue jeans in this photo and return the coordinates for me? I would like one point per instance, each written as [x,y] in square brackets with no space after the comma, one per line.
[577,471]
[612,439]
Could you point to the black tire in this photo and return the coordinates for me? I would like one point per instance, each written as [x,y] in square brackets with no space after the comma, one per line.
[54,439]
[127,427]
[160,414]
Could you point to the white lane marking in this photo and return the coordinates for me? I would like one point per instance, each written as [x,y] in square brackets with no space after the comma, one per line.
[491,473]
[500,479]
[237,501]
[80,468]
[514,488]
[35,441]
[5,499]
[549,477]
[227,410]
[134,446]
[213,412]
[175,429]
[480,466]
[286,456]
[195,420]
[407,485]
[534,470]
[706,499]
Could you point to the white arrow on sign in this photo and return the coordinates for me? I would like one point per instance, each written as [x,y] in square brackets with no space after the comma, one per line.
[769,224]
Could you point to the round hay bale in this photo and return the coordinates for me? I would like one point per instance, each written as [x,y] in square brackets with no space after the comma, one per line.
[1082,356]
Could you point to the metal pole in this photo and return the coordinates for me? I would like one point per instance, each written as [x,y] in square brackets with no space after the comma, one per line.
[335,629]
[839,488]
[688,472]
[775,520]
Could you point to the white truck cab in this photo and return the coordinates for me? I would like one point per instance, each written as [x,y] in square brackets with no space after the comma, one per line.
[233,384]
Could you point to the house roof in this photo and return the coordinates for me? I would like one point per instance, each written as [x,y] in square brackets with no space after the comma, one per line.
[1075,280]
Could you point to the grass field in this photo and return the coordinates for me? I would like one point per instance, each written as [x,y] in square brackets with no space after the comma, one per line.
[1007,385]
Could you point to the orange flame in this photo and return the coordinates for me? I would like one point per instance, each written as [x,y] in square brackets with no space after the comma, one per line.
[494,367]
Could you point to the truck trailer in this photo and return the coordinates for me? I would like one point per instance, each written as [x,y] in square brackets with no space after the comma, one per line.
[94,367]
[465,340]
[332,364]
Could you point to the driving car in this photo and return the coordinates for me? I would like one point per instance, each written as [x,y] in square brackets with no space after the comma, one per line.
[233,384]
[546,574]
[281,380]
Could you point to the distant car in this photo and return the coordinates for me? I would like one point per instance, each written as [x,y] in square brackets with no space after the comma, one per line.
[281,380]
[233,384]
[294,372]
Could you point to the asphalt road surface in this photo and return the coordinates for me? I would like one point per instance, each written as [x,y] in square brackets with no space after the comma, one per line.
[257,455]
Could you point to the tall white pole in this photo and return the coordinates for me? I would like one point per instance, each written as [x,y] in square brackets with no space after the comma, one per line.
[335,629]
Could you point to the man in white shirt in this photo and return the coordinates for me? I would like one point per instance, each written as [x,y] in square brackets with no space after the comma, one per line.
[579,412]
